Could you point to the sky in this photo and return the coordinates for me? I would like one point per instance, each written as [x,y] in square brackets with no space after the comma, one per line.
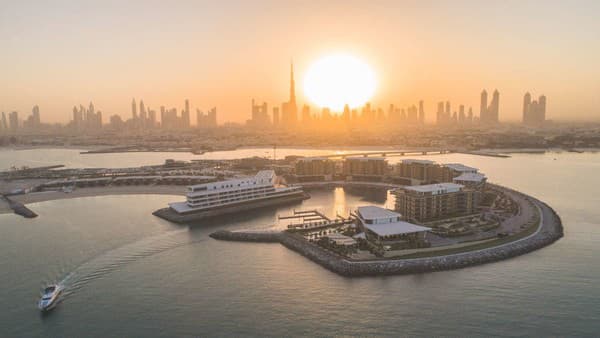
[58,54]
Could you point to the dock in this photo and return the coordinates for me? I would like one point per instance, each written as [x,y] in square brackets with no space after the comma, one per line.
[314,219]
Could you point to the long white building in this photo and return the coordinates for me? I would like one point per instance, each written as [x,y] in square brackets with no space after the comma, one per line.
[230,193]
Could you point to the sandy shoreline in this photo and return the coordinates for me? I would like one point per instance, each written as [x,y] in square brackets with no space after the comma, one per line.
[94,191]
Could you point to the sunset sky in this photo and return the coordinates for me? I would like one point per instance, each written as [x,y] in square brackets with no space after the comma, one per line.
[224,53]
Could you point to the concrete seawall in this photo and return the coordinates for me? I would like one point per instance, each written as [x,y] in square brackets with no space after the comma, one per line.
[19,208]
[549,231]
[248,236]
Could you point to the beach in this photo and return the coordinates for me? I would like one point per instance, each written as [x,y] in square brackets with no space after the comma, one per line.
[37,197]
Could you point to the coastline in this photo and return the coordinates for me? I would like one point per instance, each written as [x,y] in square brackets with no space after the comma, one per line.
[549,230]
[45,196]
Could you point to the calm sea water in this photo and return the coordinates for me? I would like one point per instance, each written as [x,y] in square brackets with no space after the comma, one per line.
[132,274]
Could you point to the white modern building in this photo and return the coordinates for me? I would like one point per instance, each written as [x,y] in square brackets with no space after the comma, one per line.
[386,228]
[230,193]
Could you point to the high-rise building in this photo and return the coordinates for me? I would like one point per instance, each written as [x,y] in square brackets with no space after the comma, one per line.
[208,120]
[142,114]
[490,114]
[260,115]
[185,115]
[276,117]
[542,103]
[421,112]
[289,109]
[495,107]
[4,123]
[133,109]
[483,106]
[534,112]
[13,121]
[526,106]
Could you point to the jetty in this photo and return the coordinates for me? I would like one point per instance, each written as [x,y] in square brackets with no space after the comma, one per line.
[19,208]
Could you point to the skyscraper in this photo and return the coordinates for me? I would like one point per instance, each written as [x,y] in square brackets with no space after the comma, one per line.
[542,103]
[290,109]
[490,114]
[526,106]
[13,121]
[185,115]
[494,115]
[133,110]
[483,106]
[534,112]
[421,112]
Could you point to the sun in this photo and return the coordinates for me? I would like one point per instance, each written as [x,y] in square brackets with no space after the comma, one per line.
[336,80]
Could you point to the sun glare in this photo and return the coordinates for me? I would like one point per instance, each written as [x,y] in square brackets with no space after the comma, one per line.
[336,80]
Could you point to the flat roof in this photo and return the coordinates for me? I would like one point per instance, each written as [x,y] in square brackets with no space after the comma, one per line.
[375,212]
[314,158]
[460,167]
[366,158]
[435,188]
[471,177]
[396,228]
[412,160]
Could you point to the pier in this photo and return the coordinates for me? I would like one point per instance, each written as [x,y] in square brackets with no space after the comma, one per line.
[314,220]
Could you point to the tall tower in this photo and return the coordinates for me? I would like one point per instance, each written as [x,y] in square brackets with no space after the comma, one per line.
[526,106]
[483,107]
[133,109]
[421,113]
[292,85]
[494,117]
[289,111]
[542,108]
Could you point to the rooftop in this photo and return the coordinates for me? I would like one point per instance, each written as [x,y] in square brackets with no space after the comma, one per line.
[412,160]
[308,159]
[366,158]
[460,167]
[470,177]
[374,212]
[396,228]
[438,188]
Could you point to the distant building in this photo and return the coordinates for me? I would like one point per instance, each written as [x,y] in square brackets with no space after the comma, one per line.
[185,115]
[13,121]
[490,114]
[385,228]
[260,116]
[416,172]
[534,112]
[208,120]
[359,168]
[428,202]
[289,110]
[315,169]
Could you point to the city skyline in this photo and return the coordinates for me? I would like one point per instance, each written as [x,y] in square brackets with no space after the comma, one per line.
[94,63]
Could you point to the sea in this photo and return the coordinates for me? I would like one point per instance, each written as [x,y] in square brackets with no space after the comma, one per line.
[128,273]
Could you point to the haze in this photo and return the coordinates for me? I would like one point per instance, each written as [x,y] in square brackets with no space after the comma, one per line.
[225,53]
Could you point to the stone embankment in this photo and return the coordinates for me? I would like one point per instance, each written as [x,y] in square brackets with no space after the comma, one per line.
[248,236]
[549,231]
[19,208]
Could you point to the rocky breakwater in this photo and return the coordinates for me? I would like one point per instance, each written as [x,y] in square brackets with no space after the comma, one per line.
[266,236]
[549,230]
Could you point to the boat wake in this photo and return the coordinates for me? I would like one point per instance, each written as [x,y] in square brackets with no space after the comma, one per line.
[112,260]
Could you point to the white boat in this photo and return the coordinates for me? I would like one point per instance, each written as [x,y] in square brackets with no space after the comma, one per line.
[50,297]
